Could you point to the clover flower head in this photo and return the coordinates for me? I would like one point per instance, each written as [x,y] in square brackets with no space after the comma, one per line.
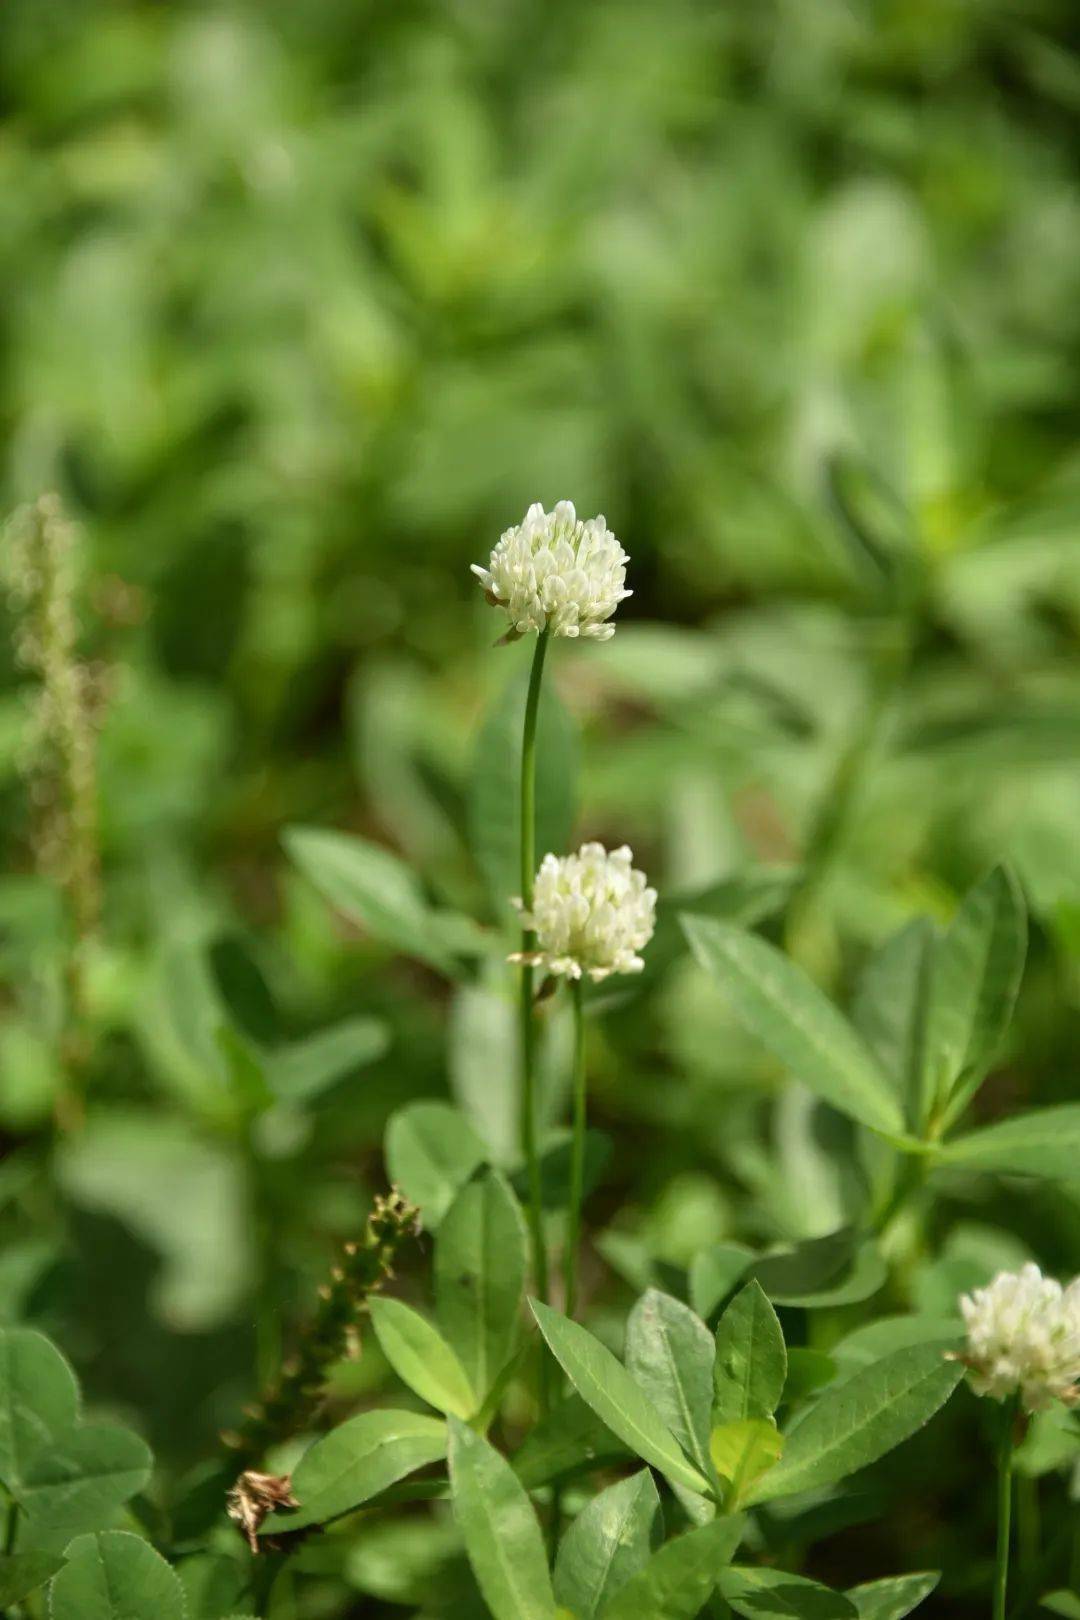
[1023,1337]
[591,913]
[555,571]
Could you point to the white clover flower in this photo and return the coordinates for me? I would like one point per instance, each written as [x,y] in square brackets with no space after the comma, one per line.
[591,914]
[1024,1336]
[557,572]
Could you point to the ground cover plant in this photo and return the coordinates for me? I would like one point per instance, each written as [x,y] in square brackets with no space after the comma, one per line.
[543,1091]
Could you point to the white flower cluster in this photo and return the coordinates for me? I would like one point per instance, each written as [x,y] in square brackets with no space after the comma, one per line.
[1024,1337]
[556,571]
[591,913]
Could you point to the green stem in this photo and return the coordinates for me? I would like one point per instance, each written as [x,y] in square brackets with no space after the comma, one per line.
[1004,1507]
[577,1152]
[528,941]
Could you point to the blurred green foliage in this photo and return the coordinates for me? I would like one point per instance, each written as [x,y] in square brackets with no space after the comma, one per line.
[302,305]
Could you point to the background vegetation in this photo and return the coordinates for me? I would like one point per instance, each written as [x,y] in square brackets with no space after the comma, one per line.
[302,306]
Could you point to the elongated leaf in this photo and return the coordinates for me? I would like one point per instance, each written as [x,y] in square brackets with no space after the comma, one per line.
[741,1453]
[860,1419]
[480,1263]
[38,1398]
[500,1530]
[23,1573]
[751,1359]
[669,1352]
[976,976]
[894,1597]
[115,1576]
[618,1401]
[421,1357]
[494,804]
[302,1071]
[376,890]
[431,1151]
[569,1439]
[78,1480]
[890,1008]
[609,1541]
[357,1461]
[771,1594]
[1045,1142]
[788,1014]
[714,1272]
[679,1578]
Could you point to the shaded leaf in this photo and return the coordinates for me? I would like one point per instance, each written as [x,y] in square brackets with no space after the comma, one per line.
[115,1576]
[570,1438]
[39,1398]
[22,1573]
[306,1068]
[78,1480]
[894,1597]
[500,1530]
[679,1578]
[772,1594]
[714,1272]
[480,1263]
[431,1151]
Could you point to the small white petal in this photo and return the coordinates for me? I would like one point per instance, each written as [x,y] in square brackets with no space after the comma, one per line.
[558,572]
[591,913]
[1024,1338]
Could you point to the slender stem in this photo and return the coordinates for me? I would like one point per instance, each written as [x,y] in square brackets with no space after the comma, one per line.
[528,941]
[577,1153]
[1004,1507]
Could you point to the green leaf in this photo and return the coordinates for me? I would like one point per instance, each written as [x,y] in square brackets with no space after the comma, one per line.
[301,1072]
[669,1352]
[616,1398]
[787,1012]
[976,976]
[894,1597]
[808,1371]
[431,1152]
[751,1360]
[1063,1603]
[421,1357]
[376,890]
[609,1541]
[500,1530]
[213,1584]
[480,1261]
[355,1462]
[555,1168]
[115,1576]
[1045,1143]
[806,1269]
[78,1480]
[678,1579]
[569,1439]
[742,1452]
[494,803]
[714,1272]
[889,1008]
[865,1275]
[859,1420]
[39,1398]
[22,1573]
[772,1594]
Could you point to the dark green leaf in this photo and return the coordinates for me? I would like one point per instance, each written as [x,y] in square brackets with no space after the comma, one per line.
[679,1578]
[78,1480]
[569,1439]
[39,1398]
[22,1573]
[500,1530]
[669,1352]
[890,1005]
[751,1361]
[480,1263]
[115,1576]
[771,1594]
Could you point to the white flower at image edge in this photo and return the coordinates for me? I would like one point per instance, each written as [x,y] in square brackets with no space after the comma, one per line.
[555,571]
[591,913]
[1023,1337]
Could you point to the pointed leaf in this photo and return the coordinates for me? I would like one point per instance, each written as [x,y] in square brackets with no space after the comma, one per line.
[859,1420]
[39,1398]
[480,1261]
[772,1594]
[500,1530]
[751,1358]
[616,1398]
[1045,1142]
[892,1598]
[609,1541]
[78,1480]
[669,1351]
[115,1576]
[714,1272]
[890,1008]
[976,976]
[431,1151]
[787,1012]
[356,1461]
[569,1439]
[678,1579]
[421,1357]
[23,1573]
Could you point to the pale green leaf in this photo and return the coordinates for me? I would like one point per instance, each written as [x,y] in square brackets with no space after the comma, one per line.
[500,1530]
[115,1576]
[1045,1142]
[889,1008]
[751,1360]
[895,1596]
[78,1480]
[669,1352]
[39,1398]
[355,1462]
[609,1541]
[481,1256]
[431,1151]
[421,1357]
[678,1579]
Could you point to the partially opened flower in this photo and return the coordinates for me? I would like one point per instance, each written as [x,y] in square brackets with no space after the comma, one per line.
[555,571]
[1024,1338]
[591,913]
